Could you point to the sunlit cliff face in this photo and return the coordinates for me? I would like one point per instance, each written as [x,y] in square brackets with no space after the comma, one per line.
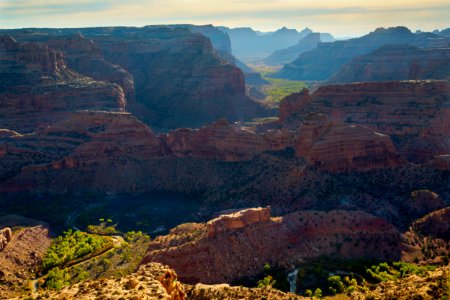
[337,17]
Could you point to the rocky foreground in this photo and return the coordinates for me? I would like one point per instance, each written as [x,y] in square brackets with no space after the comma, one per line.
[155,281]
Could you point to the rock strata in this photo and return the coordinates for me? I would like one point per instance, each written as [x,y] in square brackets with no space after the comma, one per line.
[327,58]
[38,89]
[237,245]
[413,113]
[334,146]
[396,62]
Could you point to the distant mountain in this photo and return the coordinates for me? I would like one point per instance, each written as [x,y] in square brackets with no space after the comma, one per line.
[396,62]
[443,32]
[325,60]
[247,43]
[281,57]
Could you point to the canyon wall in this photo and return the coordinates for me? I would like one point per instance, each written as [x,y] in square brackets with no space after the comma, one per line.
[325,60]
[38,89]
[396,62]
[414,113]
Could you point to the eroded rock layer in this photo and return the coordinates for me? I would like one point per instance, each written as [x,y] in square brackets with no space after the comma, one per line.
[171,76]
[239,244]
[396,62]
[414,113]
[38,89]
[325,60]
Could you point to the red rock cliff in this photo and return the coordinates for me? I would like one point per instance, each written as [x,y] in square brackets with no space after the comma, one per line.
[38,89]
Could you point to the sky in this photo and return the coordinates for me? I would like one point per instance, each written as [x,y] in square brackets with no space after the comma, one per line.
[339,17]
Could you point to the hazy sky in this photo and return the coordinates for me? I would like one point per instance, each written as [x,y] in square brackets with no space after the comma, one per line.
[340,17]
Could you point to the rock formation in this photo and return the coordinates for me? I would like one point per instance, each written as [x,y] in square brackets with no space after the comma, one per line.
[171,76]
[325,60]
[284,56]
[334,146]
[224,142]
[152,281]
[5,237]
[38,89]
[396,62]
[237,245]
[22,256]
[155,281]
[414,113]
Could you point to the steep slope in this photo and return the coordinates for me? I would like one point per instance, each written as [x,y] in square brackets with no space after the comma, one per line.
[172,76]
[38,89]
[23,255]
[396,62]
[239,244]
[414,113]
[324,61]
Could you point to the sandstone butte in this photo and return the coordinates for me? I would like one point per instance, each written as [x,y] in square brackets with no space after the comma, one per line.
[236,245]
[37,88]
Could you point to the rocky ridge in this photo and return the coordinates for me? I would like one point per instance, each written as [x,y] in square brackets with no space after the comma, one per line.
[38,89]
[396,62]
[325,60]
[414,113]
[171,75]
[156,281]
[237,245]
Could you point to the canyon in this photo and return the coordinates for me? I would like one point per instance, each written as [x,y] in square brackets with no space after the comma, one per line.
[171,76]
[354,169]
[325,60]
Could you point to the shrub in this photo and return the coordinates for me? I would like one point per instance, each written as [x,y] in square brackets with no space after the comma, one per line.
[57,279]
[71,246]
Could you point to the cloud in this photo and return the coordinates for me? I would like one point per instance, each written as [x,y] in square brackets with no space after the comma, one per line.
[342,17]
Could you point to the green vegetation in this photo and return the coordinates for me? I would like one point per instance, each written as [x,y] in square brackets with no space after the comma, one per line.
[385,271]
[57,279]
[280,88]
[105,227]
[335,277]
[72,246]
[277,88]
[120,261]
[275,278]
[267,281]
